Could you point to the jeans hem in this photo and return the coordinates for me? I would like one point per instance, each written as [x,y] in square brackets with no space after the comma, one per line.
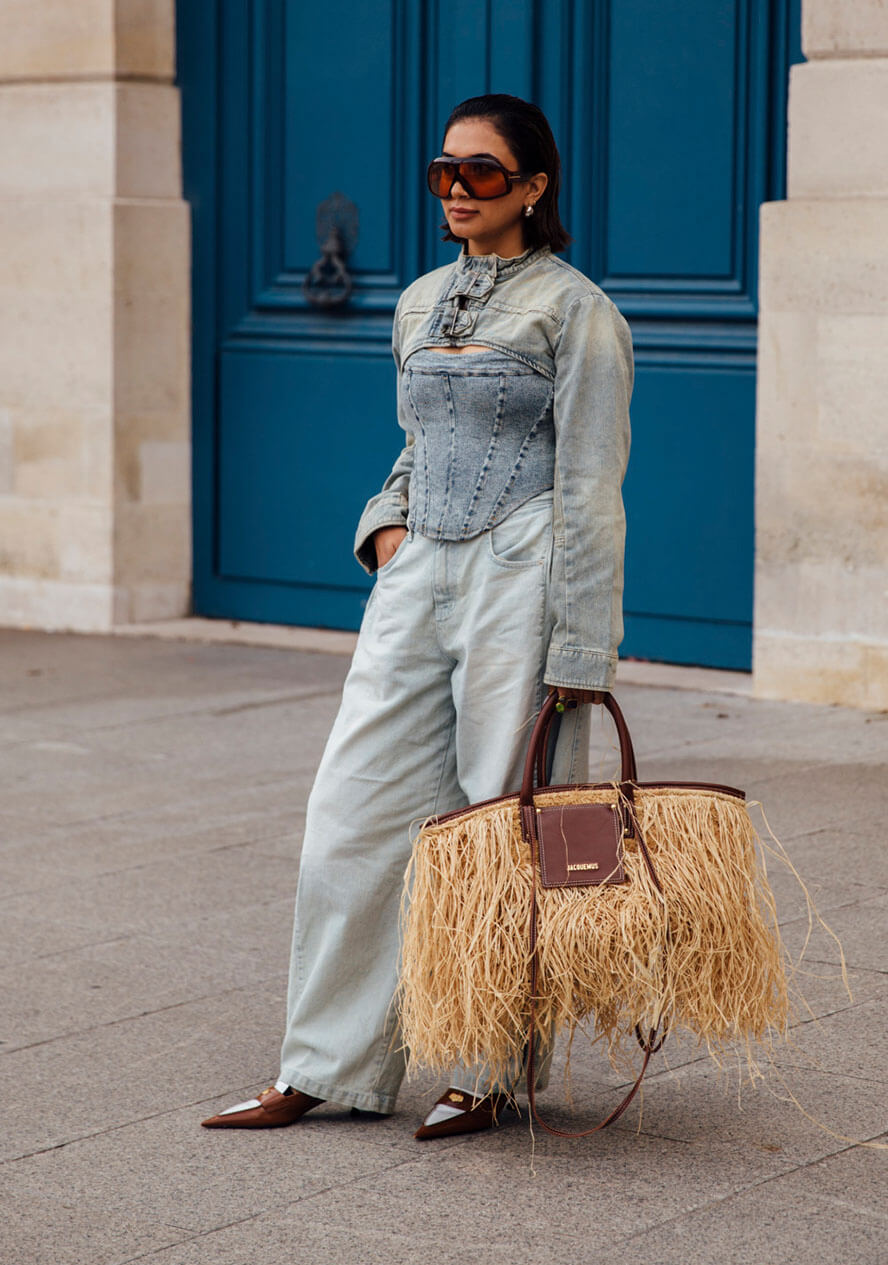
[363,1100]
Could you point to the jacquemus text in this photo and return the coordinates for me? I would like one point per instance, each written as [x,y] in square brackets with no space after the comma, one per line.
[585,865]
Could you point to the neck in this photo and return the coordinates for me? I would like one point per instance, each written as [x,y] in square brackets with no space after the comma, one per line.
[507,245]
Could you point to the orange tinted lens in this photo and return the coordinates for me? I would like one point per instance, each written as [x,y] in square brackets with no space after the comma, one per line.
[486,182]
[441,178]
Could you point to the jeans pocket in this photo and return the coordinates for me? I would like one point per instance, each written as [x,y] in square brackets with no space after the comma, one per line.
[524,537]
[387,566]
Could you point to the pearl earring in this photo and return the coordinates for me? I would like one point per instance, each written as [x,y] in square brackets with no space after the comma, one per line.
[528,210]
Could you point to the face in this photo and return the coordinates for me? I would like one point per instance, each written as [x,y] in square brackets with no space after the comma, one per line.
[491,225]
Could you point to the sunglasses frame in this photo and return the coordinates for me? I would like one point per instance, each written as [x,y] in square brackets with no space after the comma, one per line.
[485,160]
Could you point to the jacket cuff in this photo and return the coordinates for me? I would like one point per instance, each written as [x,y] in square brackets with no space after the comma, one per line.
[389,509]
[576,669]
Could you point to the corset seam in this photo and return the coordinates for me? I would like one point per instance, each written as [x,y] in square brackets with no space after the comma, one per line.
[451,454]
[522,453]
[488,456]
[412,511]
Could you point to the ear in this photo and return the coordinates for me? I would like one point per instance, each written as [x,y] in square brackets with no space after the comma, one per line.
[536,185]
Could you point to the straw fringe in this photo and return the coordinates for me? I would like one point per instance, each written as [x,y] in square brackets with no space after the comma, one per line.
[463,993]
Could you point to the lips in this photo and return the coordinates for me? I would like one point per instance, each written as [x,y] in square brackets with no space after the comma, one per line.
[462,215]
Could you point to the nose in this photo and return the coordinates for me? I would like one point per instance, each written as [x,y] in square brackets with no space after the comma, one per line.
[463,190]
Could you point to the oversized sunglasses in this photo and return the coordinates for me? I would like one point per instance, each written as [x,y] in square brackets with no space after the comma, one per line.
[481,177]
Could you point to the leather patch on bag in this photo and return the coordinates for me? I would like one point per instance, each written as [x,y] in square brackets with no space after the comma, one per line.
[580,845]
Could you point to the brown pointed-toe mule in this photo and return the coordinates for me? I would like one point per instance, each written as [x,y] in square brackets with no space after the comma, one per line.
[271,1110]
[459,1112]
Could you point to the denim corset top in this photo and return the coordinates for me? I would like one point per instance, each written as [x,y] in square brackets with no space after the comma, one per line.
[484,439]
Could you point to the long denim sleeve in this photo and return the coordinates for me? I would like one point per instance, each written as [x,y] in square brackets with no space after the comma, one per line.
[388,508]
[593,384]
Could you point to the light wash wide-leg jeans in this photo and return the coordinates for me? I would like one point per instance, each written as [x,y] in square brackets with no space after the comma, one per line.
[436,713]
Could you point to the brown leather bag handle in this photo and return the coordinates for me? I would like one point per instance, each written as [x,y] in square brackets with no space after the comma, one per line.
[536,762]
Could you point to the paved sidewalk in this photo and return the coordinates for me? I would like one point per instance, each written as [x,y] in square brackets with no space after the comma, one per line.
[151,798]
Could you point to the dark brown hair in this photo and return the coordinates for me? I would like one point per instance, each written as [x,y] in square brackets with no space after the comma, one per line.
[526,131]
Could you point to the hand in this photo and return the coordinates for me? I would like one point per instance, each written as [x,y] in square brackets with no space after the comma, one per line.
[568,696]
[386,541]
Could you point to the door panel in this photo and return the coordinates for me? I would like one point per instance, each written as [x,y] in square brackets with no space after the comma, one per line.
[304,416]
[703,482]
[352,149]
[670,117]
[671,140]
[690,489]
[284,485]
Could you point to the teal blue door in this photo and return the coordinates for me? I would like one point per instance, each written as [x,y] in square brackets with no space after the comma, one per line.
[670,116]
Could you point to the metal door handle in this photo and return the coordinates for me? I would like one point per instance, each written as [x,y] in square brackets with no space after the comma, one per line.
[328,282]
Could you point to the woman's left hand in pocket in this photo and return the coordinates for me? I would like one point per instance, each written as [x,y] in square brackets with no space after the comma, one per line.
[386,542]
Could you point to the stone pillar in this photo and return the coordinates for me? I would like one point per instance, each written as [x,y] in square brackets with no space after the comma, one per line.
[95,453]
[821,579]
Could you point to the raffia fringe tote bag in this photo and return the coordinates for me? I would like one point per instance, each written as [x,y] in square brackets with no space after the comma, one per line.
[628,907]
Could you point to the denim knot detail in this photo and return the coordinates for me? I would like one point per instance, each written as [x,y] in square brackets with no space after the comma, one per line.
[461,300]
[462,322]
[475,285]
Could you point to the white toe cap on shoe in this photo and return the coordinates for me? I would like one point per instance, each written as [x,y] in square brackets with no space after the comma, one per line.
[241,1106]
[441,1112]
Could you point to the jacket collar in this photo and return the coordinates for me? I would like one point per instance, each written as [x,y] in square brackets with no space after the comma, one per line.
[495,265]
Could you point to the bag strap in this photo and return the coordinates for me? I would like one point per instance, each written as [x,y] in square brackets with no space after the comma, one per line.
[650,1045]
[628,778]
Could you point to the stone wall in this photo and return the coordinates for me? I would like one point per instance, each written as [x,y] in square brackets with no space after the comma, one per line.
[821,578]
[95,448]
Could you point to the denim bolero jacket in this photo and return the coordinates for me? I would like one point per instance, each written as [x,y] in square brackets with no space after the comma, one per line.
[553,320]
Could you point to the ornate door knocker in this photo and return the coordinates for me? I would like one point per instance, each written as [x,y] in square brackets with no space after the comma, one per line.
[328,282]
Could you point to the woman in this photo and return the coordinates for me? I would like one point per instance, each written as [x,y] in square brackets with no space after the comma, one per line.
[497,543]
